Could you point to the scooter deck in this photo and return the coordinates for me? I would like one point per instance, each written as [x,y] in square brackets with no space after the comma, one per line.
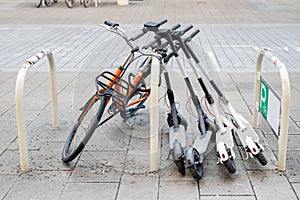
[248,132]
[225,137]
[177,134]
[201,143]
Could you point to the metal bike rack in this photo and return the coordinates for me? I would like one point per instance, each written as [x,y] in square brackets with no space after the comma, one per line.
[285,103]
[154,115]
[19,95]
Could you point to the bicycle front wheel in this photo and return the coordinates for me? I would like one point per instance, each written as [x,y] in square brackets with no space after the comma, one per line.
[69,3]
[38,3]
[86,3]
[84,128]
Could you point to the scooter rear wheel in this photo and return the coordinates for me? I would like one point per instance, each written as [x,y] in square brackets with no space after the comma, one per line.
[261,158]
[178,157]
[196,170]
[230,165]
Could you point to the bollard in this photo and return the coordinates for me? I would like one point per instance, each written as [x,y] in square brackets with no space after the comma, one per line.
[122,2]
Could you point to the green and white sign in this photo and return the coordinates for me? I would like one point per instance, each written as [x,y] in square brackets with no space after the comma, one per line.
[269,106]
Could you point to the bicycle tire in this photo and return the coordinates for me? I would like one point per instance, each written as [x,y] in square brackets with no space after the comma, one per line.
[38,3]
[48,3]
[86,3]
[84,128]
[69,3]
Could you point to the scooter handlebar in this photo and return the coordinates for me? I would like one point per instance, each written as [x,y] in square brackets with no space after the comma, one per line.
[182,32]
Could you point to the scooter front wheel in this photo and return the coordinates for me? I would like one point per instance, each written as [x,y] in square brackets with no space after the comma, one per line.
[196,169]
[230,165]
[261,158]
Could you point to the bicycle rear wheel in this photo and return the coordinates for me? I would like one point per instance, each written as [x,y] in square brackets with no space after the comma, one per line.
[84,128]
[38,3]
[69,3]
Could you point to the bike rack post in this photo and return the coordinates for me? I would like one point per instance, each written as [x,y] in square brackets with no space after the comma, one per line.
[19,95]
[154,115]
[122,2]
[285,103]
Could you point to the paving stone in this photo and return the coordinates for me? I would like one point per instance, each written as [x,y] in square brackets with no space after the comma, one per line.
[138,187]
[48,157]
[99,166]
[10,162]
[178,190]
[296,187]
[292,161]
[218,181]
[8,131]
[228,197]
[39,184]
[90,191]
[9,181]
[292,143]
[4,146]
[277,185]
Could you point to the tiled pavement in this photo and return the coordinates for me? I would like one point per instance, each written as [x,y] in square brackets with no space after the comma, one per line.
[115,163]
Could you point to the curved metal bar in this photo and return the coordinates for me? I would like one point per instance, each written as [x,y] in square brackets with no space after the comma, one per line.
[285,102]
[19,96]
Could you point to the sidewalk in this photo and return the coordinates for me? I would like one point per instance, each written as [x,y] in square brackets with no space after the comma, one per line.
[115,163]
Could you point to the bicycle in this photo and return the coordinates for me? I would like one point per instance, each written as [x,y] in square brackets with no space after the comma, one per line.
[48,3]
[70,3]
[125,97]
